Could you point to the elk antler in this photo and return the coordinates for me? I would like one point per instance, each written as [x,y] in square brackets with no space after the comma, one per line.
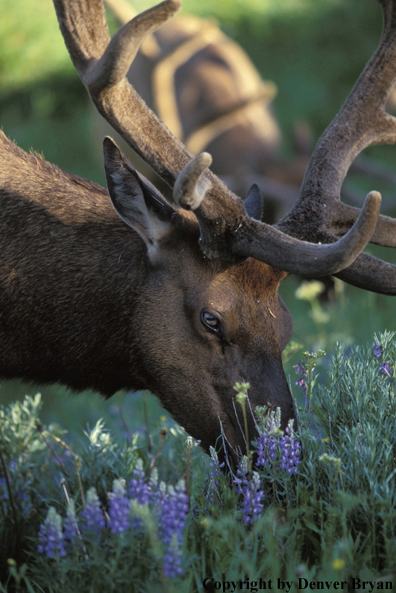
[226,230]
[266,243]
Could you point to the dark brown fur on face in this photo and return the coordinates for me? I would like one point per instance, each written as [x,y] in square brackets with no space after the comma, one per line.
[108,298]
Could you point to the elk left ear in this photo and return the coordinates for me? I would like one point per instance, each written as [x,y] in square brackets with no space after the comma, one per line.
[135,199]
[254,202]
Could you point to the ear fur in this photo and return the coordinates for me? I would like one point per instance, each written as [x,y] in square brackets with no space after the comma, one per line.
[136,201]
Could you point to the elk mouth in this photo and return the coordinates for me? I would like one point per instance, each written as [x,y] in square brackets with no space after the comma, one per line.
[233,443]
[240,427]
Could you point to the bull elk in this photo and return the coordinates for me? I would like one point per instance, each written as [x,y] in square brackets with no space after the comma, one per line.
[120,289]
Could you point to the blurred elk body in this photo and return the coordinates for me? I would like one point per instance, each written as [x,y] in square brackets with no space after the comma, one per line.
[120,289]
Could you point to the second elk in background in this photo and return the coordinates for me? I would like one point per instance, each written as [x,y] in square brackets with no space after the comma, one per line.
[205,88]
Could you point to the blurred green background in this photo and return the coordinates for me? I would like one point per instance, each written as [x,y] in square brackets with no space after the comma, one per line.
[312,49]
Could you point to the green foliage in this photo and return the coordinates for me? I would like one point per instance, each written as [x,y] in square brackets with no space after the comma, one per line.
[40,468]
[351,455]
[25,56]
[351,317]
[333,520]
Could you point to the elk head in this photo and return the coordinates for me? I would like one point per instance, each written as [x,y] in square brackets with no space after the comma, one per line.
[203,324]
[221,265]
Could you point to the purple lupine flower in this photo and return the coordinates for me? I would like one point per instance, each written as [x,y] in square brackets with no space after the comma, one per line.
[271,441]
[291,450]
[301,370]
[266,448]
[138,489]
[241,480]
[172,563]
[50,536]
[153,488]
[119,508]
[266,442]
[215,463]
[94,519]
[385,369]
[216,466]
[172,517]
[377,350]
[251,506]
[252,495]
[70,523]
[214,474]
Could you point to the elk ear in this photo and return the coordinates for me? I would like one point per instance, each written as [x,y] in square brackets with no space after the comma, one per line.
[254,202]
[136,201]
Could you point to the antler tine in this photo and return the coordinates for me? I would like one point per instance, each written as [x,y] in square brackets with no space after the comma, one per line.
[365,266]
[345,216]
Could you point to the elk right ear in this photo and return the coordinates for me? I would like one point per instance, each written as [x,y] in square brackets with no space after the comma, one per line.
[135,199]
[254,202]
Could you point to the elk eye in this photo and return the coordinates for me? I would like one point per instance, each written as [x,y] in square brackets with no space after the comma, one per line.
[210,321]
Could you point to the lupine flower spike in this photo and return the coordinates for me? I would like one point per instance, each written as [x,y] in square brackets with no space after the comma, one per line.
[139,490]
[272,441]
[241,480]
[291,450]
[266,442]
[216,466]
[385,368]
[70,523]
[252,495]
[301,370]
[153,487]
[119,508]
[252,506]
[93,514]
[51,536]
[377,350]
[172,516]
